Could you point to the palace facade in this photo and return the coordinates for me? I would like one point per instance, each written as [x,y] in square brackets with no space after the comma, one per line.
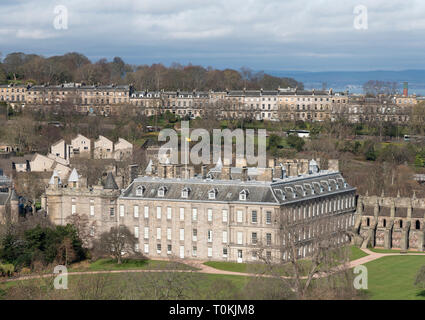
[225,213]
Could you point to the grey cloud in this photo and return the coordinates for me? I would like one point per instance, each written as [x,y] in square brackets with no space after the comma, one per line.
[301,33]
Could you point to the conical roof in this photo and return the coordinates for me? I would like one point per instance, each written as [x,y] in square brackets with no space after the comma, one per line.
[110,182]
[149,167]
[54,175]
[73,177]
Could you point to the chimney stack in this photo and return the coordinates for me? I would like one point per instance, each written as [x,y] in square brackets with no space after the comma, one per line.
[272,163]
[303,166]
[278,172]
[226,173]
[169,171]
[244,174]
[204,171]
[292,169]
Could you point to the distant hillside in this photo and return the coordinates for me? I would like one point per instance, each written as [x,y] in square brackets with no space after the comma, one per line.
[354,80]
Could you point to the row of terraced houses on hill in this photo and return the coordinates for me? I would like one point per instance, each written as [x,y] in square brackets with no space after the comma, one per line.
[279,104]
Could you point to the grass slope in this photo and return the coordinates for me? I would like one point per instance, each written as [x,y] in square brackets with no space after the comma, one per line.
[128,264]
[392,278]
[354,254]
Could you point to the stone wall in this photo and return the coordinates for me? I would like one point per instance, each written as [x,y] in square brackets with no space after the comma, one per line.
[391,222]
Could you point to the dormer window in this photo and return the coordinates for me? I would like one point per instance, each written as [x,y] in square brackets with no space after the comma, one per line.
[243,195]
[161,191]
[212,194]
[185,193]
[140,190]
[282,194]
[302,190]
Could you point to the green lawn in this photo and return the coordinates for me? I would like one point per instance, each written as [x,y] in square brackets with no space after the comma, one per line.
[128,264]
[392,278]
[258,268]
[356,253]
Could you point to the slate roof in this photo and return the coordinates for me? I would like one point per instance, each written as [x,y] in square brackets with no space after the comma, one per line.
[110,182]
[277,192]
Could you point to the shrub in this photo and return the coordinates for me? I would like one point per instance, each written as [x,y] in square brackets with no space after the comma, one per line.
[6,270]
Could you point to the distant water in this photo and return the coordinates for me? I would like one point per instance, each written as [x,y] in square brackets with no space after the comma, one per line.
[353,80]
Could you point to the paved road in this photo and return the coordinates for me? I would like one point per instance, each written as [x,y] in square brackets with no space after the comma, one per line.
[201,268]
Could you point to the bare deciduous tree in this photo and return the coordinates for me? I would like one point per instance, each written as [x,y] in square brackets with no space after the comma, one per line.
[312,248]
[84,227]
[117,242]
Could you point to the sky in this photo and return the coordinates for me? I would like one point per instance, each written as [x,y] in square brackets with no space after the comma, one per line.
[302,35]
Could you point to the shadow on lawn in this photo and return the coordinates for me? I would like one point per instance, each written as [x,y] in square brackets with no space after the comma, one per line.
[421,293]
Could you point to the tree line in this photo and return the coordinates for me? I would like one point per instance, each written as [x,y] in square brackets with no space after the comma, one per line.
[19,67]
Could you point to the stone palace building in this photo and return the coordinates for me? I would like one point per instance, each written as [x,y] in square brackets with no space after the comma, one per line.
[225,213]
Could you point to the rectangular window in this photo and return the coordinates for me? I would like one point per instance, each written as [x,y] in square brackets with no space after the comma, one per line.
[146,233]
[268,217]
[195,234]
[146,248]
[73,209]
[209,252]
[136,211]
[224,252]
[169,248]
[136,232]
[254,216]
[194,251]
[92,210]
[224,236]
[181,214]
[158,233]
[111,211]
[239,237]
[168,233]
[239,216]
[194,214]
[225,213]
[158,212]
[254,238]
[269,239]
[121,210]
[181,234]
[169,213]
[209,235]
[146,212]
[210,215]
[158,248]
